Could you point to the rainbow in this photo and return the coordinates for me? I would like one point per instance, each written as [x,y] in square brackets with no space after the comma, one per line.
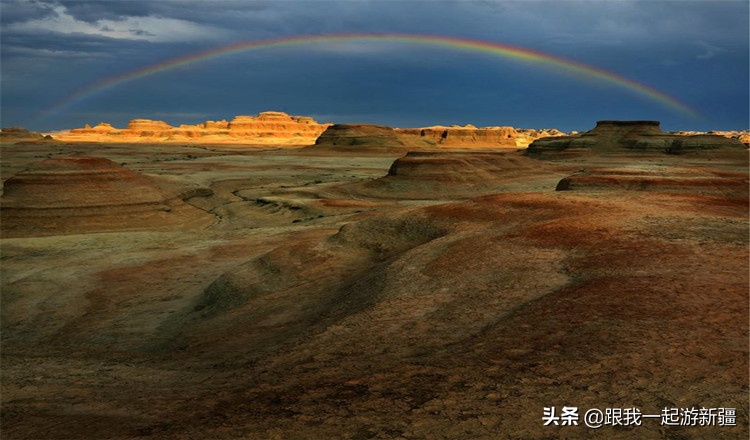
[450,42]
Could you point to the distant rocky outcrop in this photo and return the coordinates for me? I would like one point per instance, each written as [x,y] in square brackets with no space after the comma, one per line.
[19,133]
[463,136]
[741,135]
[73,195]
[278,128]
[101,128]
[147,127]
[526,136]
[438,136]
[630,137]
[469,136]
[359,136]
[267,128]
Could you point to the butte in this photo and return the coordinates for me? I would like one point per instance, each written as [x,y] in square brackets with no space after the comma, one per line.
[633,138]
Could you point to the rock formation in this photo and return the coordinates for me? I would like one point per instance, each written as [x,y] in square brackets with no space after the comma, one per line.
[458,167]
[268,128]
[101,128]
[526,136]
[360,136]
[19,133]
[278,128]
[458,137]
[469,136]
[742,136]
[427,175]
[627,137]
[147,127]
[463,136]
[88,194]
[216,125]
[673,180]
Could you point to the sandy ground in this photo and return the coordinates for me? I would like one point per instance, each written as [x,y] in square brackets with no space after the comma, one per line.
[324,303]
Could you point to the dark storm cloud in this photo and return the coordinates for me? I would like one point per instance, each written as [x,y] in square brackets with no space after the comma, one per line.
[530,23]
[192,10]
[696,50]
[15,11]
[60,42]
[94,11]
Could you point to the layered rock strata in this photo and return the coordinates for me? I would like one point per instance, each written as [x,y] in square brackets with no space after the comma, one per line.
[618,137]
[676,180]
[359,136]
[267,128]
[19,133]
[73,195]
[462,136]
[431,175]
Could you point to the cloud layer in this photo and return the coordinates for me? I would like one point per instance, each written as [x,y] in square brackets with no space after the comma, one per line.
[696,51]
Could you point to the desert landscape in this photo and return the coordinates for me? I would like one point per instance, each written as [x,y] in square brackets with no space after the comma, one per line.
[353,220]
[375,283]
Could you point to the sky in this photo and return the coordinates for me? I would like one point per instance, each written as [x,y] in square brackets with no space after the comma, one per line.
[54,53]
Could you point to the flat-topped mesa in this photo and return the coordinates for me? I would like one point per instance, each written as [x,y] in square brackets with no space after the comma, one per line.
[477,168]
[462,136]
[148,128]
[243,123]
[72,195]
[267,128]
[359,136]
[430,175]
[19,133]
[273,116]
[275,125]
[641,127]
[629,137]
